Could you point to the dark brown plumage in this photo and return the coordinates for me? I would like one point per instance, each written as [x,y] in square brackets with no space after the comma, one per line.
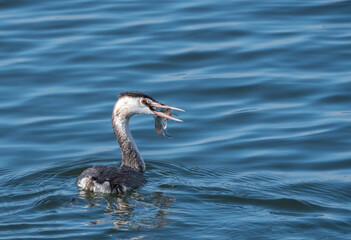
[120,179]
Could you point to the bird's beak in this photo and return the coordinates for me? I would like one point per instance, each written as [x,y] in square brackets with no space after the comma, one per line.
[161,114]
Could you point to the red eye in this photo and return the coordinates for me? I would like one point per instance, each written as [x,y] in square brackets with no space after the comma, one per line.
[143,101]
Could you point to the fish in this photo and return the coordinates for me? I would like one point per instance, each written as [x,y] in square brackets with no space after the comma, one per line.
[161,123]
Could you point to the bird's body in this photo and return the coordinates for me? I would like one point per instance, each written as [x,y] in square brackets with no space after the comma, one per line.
[129,175]
[106,179]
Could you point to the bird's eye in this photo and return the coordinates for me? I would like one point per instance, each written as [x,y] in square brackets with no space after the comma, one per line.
[143,101]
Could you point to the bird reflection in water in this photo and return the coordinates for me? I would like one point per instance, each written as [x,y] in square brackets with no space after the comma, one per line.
[131,211]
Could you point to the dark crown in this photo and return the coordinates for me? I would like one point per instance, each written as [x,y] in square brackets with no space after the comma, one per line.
[135,94]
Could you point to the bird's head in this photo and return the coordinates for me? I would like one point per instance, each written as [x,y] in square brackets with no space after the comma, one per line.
[132,102]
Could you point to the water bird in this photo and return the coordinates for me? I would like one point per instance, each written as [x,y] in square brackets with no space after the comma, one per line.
[130,174]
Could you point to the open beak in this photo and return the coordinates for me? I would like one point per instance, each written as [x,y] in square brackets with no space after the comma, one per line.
[161,114]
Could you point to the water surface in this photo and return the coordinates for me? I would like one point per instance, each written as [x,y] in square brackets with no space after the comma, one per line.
[264,150]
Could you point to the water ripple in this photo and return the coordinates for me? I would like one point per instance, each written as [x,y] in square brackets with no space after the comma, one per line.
[264,150]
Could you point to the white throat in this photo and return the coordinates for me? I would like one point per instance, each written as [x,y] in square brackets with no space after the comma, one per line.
[130,154]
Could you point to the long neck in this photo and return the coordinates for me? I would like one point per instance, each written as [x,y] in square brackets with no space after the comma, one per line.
[130,153]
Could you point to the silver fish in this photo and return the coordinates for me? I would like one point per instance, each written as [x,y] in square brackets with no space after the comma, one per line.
[161,123]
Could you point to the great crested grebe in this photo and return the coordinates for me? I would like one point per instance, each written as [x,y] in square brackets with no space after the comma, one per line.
[129,175]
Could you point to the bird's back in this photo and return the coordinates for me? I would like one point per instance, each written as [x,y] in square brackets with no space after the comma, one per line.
[108,179]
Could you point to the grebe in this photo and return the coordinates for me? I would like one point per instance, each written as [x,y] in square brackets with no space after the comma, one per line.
[129,175]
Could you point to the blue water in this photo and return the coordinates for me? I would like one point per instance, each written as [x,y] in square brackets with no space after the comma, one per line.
[263,152]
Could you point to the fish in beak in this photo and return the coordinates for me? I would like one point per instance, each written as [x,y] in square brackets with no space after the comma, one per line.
[163,113]
[155,106]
